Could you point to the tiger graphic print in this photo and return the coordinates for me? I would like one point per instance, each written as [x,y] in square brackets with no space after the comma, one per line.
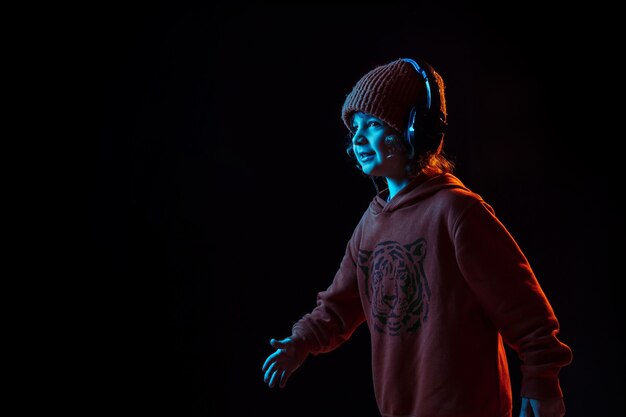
[396,286]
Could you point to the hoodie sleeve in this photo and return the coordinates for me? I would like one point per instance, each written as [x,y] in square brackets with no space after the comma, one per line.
[502,279]
[338,312]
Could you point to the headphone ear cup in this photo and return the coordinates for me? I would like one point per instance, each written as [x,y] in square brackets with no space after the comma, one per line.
[423,133]
[428,132]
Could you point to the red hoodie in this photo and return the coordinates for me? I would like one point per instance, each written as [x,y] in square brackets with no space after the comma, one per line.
[442,286]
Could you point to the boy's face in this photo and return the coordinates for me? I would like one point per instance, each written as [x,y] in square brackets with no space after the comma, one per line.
[379,150]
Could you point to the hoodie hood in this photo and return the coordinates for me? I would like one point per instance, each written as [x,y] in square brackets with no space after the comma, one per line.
[420,188]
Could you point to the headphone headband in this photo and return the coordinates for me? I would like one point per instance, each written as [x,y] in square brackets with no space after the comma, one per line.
[426,131]
[424,75]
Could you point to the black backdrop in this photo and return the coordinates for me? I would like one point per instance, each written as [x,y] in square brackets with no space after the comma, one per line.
[222,198]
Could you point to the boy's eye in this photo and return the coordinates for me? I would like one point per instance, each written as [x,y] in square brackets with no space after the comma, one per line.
[370,123]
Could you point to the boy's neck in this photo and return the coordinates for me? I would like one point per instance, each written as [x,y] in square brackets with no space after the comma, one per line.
[395,185]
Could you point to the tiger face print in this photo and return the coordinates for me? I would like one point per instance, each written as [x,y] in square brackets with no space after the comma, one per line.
[396,286]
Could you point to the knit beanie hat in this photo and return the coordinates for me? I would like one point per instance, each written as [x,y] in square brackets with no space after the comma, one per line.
[388,92]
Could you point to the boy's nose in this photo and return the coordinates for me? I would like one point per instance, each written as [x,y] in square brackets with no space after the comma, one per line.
[359,139]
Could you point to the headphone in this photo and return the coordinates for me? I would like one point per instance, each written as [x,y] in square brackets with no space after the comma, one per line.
[427,122]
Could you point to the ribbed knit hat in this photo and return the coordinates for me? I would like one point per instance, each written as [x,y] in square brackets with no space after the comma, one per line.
[388,92]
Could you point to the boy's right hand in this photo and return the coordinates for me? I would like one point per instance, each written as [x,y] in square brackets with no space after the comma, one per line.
[288,357]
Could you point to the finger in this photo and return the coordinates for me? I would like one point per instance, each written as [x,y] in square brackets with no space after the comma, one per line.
[273,380]
[269,371]
[524,408]
[271,358]
[283,378]
[535,407]
[266,363]
[280,344]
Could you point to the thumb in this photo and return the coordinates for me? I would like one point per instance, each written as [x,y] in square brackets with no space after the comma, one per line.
[281,344]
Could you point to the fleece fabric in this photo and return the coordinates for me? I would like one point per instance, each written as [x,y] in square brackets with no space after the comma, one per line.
[443,287]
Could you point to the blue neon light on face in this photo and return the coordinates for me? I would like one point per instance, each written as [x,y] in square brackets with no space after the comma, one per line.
[375,155]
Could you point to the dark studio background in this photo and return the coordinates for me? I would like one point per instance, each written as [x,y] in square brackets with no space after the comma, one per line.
[222,198]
